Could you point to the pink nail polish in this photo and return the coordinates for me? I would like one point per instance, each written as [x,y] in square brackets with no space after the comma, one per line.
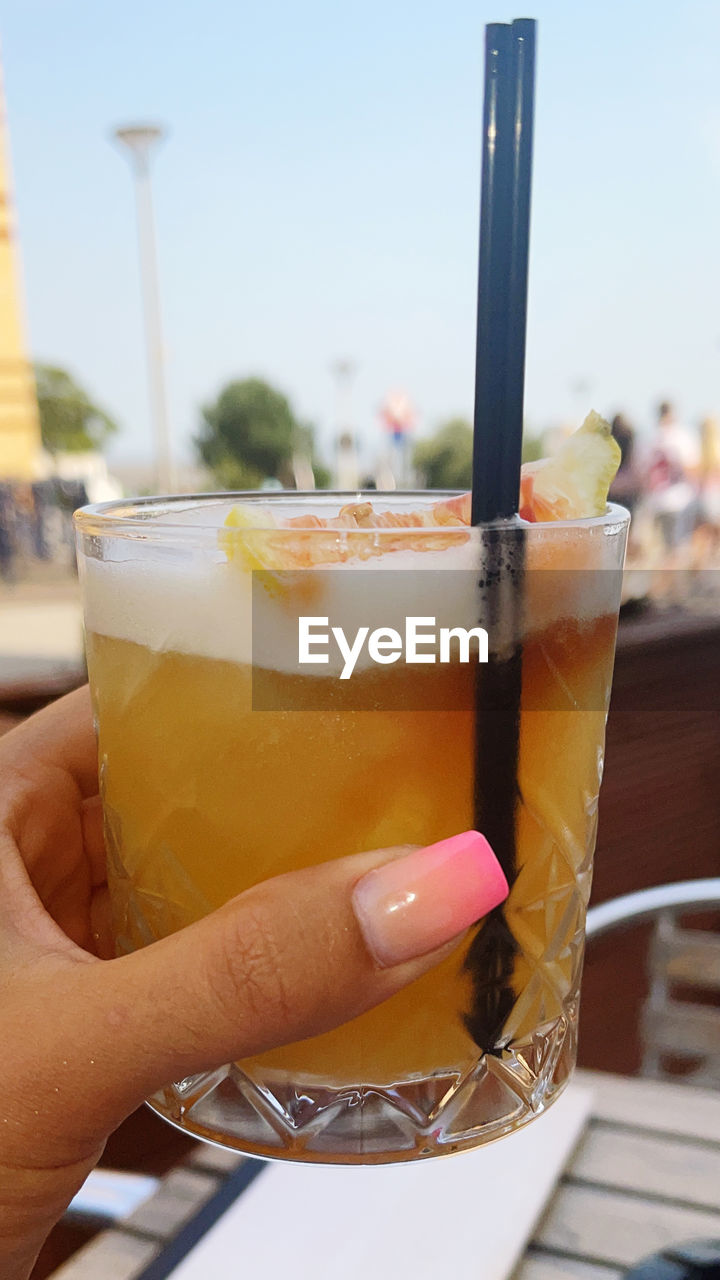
[414,905]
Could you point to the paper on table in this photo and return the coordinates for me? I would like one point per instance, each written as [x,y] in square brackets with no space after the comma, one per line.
[464,1216]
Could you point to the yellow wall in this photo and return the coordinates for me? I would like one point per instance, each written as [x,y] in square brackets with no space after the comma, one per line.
[19,422]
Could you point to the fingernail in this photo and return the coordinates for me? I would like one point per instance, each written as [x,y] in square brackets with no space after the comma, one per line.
[414,905]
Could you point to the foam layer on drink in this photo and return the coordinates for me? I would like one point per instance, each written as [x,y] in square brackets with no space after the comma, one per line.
[193,600]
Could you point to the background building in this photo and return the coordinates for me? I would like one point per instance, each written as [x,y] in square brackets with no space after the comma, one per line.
[20,450]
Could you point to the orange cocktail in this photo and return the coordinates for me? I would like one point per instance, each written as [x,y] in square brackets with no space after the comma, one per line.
[222,765]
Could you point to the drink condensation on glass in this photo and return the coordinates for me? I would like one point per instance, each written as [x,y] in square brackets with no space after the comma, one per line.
[220,766]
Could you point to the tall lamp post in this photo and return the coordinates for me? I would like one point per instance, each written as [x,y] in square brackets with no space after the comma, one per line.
[140,142]
[346,460]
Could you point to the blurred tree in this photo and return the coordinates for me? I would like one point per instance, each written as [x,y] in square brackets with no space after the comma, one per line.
[69,420]
[250,434]
[445,460]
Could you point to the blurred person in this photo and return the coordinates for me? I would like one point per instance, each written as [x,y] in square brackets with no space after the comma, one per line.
[672,477]
[69,495]
[87,1037]
[627,487]
[25,517]
[7,534]
[42,500]
[710,470]
[706,538]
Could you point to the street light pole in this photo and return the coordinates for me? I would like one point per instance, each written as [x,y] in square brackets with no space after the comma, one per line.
[343,372]
[140,142]
[346,459]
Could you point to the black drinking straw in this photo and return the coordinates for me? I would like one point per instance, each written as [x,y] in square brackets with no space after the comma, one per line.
[499,385]
[503,268]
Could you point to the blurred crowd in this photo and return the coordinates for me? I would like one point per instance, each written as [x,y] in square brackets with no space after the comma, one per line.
[36,523]
[669,479]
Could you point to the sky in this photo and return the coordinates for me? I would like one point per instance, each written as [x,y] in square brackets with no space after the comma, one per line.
[317,199]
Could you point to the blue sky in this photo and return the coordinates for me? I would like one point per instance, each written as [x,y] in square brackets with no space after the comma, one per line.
[318,198]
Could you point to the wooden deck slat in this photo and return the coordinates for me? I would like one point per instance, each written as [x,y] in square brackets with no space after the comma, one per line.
[216,1160]
[690,956]
[552,1267]
[113,1255]
[644,1104]
[180,1196]
[611,1227]
[677,1169]
[682,1030]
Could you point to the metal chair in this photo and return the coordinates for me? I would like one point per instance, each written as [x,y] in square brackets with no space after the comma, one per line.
[680,959]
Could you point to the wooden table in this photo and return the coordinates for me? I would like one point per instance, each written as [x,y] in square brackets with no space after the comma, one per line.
[645,1174]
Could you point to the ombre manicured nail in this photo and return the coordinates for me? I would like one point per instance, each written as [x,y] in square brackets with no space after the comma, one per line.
[415,904]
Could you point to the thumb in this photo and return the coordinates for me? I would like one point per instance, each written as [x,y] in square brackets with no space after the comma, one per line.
[290,958]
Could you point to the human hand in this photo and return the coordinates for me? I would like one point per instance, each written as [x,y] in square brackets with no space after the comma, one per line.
[86,1038]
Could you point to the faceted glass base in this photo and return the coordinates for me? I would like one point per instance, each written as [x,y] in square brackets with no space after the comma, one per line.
[280,1119]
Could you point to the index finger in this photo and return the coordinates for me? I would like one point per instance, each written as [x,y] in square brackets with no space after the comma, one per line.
[60,736]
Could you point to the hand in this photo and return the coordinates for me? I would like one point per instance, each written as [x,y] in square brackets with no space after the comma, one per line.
[86,1038]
